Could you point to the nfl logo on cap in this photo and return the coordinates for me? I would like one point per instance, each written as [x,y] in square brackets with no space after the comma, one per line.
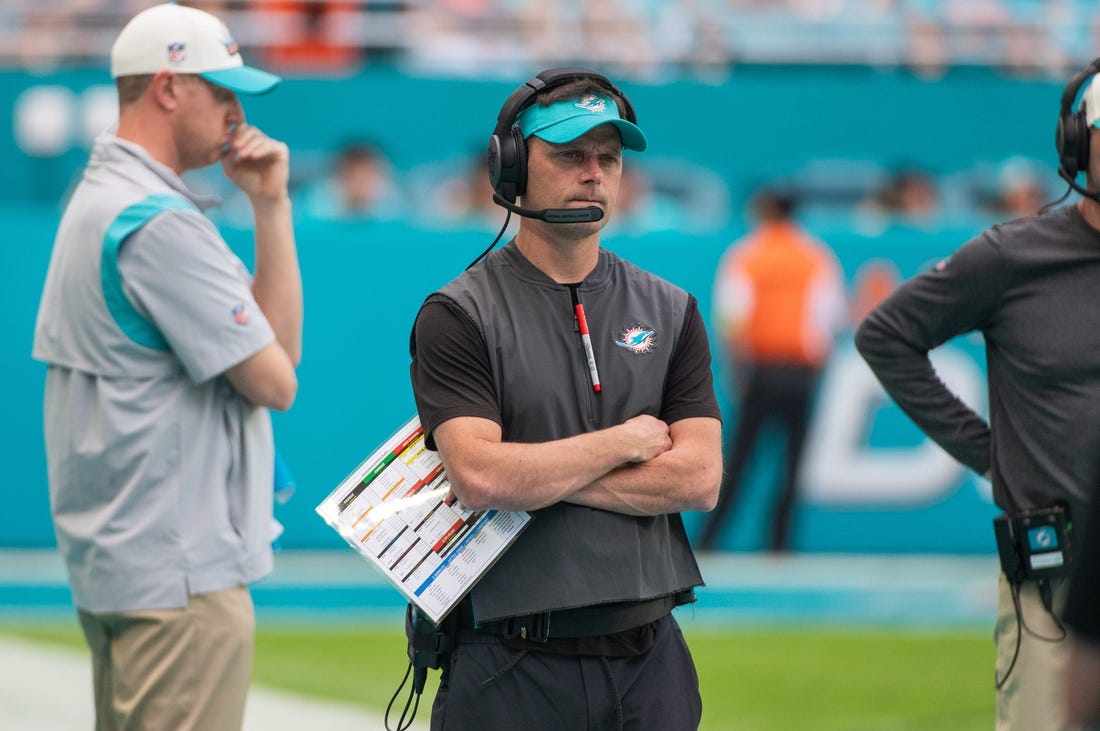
[177,52]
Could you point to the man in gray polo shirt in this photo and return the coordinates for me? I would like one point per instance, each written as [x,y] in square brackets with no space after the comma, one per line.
[164,357]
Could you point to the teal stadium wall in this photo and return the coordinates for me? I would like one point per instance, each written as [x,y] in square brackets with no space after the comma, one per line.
[872,483]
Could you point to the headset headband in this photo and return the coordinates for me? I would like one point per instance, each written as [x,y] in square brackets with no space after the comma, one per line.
[525,94]
[1069,95]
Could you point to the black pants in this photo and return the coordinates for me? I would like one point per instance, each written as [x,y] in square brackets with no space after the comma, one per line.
[781,393]
[493,687]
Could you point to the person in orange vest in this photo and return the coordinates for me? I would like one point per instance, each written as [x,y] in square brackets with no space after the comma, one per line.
[779,299]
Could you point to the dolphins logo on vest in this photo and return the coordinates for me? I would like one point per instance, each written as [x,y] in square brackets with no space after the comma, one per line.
[637,339]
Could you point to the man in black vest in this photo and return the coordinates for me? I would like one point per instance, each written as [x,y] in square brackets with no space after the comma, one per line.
[554,377]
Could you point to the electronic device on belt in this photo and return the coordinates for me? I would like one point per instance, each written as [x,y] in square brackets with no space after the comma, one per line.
[1033,544]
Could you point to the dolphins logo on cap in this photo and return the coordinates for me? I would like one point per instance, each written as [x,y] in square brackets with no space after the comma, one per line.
[592,103]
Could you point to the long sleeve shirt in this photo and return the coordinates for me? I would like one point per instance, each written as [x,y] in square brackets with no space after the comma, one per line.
[1032,288]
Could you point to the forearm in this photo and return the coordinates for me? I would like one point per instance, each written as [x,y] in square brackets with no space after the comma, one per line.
[277,281]
[260,167]
[906,373]
[686,477]
[485,472]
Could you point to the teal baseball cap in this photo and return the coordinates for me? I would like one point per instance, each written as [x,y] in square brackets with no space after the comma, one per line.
[567,120]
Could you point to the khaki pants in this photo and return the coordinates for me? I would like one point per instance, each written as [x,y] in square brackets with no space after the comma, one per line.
[1033,696]
[173,669]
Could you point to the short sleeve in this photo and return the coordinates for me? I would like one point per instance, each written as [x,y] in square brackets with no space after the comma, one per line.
[450,371]
[689,386]
[179,273]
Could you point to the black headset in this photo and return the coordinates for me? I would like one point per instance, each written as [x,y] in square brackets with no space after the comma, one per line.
[507,147]
[1072,137]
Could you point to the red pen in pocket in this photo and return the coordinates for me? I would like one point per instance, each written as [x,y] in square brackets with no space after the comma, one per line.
[582,323]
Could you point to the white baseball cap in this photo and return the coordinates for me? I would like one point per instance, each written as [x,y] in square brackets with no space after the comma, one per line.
[1091,100]
[187,41]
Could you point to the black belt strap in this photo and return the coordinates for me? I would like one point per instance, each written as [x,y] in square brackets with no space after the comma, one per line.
[592,621]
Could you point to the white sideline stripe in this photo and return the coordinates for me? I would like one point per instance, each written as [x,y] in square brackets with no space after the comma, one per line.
[47,688]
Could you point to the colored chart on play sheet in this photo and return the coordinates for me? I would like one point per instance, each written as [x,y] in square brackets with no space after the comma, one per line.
[397,511]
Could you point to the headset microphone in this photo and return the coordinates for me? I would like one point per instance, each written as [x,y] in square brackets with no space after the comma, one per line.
[1093,194]
[552,215]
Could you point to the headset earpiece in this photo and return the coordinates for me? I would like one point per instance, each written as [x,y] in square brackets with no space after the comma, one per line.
[1073,142]
[520,146]
[507,154]
[1079,140]
[508,163]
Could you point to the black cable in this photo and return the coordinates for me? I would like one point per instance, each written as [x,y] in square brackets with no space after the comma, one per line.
[482,255]
[1048,206]
[402,723]
[1015,589]
[1044,590]
[1021,626]
[1045,594]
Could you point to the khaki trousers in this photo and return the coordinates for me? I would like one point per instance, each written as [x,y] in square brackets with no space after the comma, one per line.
[1033,696]
[173,669]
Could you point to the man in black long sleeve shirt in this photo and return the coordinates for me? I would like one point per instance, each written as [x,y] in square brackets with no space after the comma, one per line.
[1032,289]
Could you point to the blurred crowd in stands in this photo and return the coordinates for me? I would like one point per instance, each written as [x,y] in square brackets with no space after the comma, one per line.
[630,39]
[876,196]
[357,183]
[647,40]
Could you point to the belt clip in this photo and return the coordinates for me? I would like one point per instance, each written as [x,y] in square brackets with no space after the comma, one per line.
[533,627]
[539,628]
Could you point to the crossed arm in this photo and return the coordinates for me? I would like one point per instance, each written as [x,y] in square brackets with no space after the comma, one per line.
[640,467]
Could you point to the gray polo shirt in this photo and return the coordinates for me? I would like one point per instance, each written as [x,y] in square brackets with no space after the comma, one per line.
[160,473]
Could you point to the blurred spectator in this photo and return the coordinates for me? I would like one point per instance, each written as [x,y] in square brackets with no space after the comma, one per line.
[642,38]
[615,34]
[474,38]
[670,194]
[874,281]
[926,49]
[909,193]
[47,33]
[458,194]
[359,187]
[779,299]
[688,38]
[306,36]
[470,196]
[642,209]
[1020,189]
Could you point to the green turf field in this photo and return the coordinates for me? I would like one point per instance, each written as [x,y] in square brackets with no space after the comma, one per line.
[752,680]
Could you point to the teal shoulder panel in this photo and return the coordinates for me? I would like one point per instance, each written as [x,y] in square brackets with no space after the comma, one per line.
[136,326]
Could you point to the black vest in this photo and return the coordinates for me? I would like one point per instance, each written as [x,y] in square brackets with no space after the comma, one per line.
[572,556]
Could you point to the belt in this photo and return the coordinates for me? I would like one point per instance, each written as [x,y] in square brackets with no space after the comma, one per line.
[591,621]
